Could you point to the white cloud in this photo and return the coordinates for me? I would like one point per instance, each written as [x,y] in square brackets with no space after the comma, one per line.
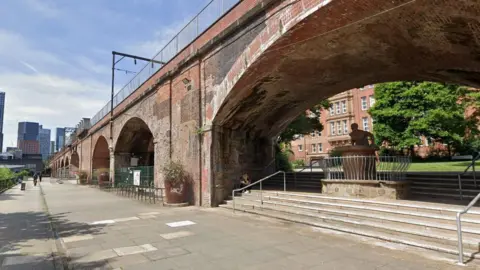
[45,8]
[35,98]
[38,90]
[15,48]
[150,48]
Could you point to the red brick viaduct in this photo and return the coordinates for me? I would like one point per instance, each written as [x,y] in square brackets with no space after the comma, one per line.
[262,64]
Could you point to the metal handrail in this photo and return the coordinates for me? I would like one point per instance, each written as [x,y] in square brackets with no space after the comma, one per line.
[209,14]
[459,176]
[261,188]
[459,227]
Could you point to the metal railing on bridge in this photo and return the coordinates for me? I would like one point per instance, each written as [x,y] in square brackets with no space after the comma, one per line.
[213,11]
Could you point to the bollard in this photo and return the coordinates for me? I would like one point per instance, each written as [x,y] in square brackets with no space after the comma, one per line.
[22,186]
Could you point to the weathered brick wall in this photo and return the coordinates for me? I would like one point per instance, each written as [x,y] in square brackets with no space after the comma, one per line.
[248,82]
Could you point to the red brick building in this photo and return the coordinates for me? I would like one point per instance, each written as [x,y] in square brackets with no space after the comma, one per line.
[348,107]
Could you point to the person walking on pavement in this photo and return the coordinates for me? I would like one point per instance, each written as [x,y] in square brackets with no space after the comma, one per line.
[40,177]
[35,179]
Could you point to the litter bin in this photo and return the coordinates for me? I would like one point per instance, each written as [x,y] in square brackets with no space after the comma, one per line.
[22,186]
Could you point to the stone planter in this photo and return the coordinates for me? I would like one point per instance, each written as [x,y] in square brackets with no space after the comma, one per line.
[370,189]
[175,194]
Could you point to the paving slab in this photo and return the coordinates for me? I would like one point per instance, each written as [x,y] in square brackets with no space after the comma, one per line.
[217,240]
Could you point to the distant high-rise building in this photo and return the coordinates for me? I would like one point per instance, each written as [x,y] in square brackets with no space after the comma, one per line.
[52,147]
[2,111]
[44,139]
[28,137]
[59,138]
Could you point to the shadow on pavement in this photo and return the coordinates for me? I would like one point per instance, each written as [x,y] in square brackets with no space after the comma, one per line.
[23,234]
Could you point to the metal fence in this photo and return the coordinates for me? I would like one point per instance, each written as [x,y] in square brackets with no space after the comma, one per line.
[213,11]
[391,168]
[125,185]
[125,176]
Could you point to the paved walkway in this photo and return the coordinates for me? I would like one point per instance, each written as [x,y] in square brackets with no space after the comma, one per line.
[26,240]
[99,230]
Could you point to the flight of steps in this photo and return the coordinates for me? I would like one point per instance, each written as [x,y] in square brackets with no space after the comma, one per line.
[443,185]
[425,225]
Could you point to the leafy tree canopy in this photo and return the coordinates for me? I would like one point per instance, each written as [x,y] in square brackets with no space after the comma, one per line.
[305,123]
[405,111]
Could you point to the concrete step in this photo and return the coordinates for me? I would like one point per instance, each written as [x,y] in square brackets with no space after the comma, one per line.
[356,228]
[432,231]
[445,190]
[442,195]
[417,206]
[408,215]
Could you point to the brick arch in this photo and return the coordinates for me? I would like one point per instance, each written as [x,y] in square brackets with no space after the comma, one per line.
[304,54]
[134,139]
[101,154]
[143,111]
[75,161]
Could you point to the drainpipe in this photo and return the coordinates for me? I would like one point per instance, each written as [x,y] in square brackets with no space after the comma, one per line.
[112,154]
[200,136]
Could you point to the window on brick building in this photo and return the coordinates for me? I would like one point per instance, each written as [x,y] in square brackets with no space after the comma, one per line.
[332,111]
[320,148]
[339,128]
[372,100]
[300,148]
[345,127]
[314,148]
[364,103]
[365,124]
[319,133]
[344,106]
[332,128]
[337,107]
[312,134]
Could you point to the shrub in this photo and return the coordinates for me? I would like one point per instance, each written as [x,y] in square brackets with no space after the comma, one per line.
[174,173]
[298,163]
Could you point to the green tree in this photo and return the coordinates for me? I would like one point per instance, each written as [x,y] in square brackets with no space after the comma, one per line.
[405,111]
[305,123]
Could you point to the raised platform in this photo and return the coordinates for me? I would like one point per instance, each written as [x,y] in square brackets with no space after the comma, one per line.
[371,189]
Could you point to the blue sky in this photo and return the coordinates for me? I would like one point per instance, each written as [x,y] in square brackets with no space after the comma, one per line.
[55,56]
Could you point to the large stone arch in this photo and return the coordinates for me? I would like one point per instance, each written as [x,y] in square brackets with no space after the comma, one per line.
[75,162]
[319,52]
[101,154]
[134,140]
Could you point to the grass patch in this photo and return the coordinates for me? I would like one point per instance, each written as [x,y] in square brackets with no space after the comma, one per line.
[442,166]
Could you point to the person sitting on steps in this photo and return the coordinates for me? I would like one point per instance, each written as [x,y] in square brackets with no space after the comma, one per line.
[245,181]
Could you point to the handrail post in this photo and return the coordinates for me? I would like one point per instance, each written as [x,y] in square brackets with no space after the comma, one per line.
[460,187]
[261,194]
[284,182]
[460,242]
[474,174]
[233,200]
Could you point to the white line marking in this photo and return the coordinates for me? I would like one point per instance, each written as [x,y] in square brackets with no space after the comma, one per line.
[75,238]
[180,223]
[109,221]
[174,235]
[148,247]
[149,214]
[126,219]
[123,251]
